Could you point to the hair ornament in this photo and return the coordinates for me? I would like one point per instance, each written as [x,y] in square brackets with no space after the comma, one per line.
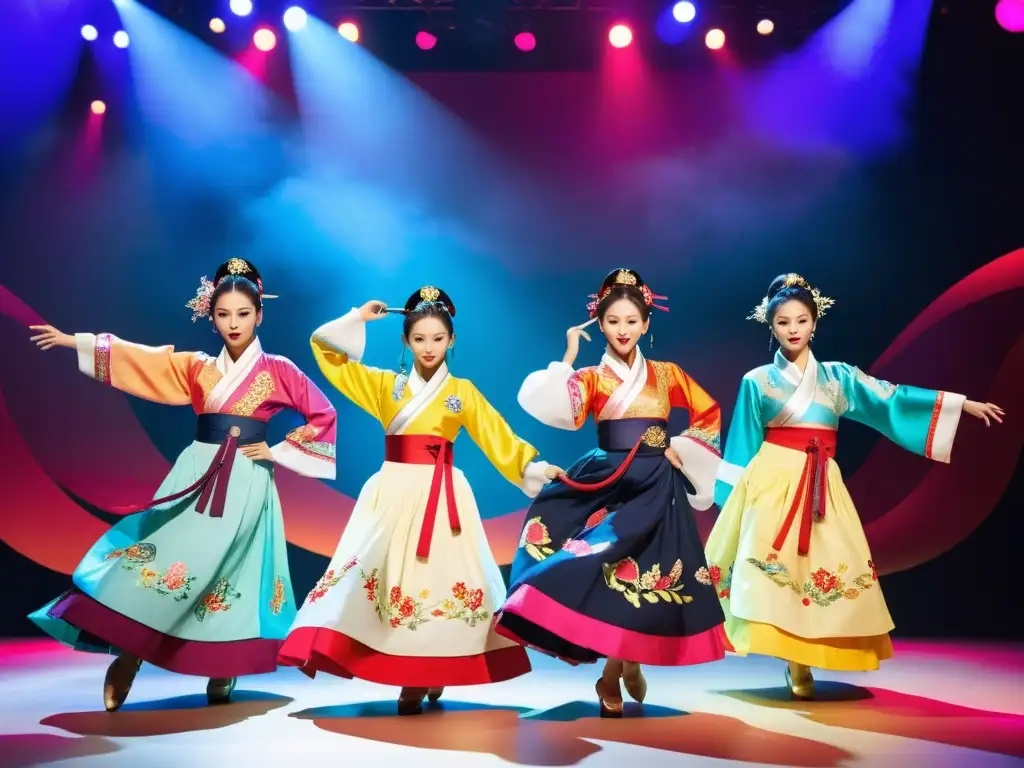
[821,303]
[200,304]
[625,277]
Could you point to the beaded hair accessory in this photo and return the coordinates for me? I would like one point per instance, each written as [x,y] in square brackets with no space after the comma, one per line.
[200,305]
[823,303]
[626,277]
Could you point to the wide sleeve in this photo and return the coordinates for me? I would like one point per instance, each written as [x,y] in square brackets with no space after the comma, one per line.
[746,434]
[511,456]
[699,445]
[310,449]
[158,374]
[338,347]
[558,396]
[922,421]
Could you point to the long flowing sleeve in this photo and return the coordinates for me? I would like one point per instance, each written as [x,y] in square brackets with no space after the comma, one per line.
[746,434]
[922,421]
[558,396]
[310,449]
[158,374]
[338,347]
[699,445]
[511,456]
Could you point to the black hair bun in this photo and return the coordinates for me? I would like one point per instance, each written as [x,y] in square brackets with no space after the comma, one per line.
[428,294]
[239,268]
[791,281]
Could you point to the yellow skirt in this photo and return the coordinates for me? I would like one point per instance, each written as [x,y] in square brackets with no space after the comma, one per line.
[825,609]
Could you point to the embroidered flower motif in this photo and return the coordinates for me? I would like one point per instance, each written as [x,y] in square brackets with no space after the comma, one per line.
[403,610]
[576,547]
[624,576]
[823,588]
[328,580]
[724,586]
[703,576]
[398,391]
[174,581]
[535,539]
[217,600]
[453,404]
[278,600]
[135,555]
[596,518]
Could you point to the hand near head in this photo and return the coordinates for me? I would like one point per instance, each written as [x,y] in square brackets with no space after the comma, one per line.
[49,337]
[984,411]
[372,310]
[572,342]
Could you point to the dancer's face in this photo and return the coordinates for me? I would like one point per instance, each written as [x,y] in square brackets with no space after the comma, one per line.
[236,319]
[622,326]
[429,341]
[793,325]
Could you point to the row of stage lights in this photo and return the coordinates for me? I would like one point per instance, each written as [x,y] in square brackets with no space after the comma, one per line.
[295,18]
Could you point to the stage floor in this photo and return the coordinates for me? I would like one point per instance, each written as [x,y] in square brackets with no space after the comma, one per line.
[934,705]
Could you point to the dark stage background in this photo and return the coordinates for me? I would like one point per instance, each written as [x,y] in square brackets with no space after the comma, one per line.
[880,158]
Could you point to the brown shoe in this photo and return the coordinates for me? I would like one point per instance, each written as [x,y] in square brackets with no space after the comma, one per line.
[118,682]
[609,701]
[410,701]
[218,690]
[433,694]
[635,682]
[800,681]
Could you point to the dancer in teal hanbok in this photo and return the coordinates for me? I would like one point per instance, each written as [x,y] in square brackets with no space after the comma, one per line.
[788,554]
[197,580]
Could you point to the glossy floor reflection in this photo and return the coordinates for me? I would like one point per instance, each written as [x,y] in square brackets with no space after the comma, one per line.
[935,704]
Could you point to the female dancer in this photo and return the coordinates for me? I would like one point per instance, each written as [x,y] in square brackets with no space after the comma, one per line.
[610,563]
[408,597]
[799,581]
[197,582]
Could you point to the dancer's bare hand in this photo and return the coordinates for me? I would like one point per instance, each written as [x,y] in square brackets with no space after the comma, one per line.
[372,310]
[673,458]
[257,452]
[984,411]
[49,337]
[572,342]
[551,472]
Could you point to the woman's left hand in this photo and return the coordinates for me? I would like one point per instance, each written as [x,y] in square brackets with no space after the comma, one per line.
[673,458]
[551,472]
[984,411]
[257,452]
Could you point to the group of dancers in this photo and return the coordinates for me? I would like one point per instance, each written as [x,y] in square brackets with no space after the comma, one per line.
[609,563]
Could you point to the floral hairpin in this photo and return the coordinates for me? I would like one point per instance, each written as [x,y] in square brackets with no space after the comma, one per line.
[625,277]
[200,305]
[821,303]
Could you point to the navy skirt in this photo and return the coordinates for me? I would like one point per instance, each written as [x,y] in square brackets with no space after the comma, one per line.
[615,571]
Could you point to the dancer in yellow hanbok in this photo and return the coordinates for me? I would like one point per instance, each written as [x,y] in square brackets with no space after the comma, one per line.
[788,552]
[408,598]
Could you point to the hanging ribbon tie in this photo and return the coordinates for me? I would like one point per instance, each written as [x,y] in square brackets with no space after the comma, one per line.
[811,496]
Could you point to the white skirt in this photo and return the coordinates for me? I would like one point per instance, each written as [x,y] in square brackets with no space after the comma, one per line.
[381,613]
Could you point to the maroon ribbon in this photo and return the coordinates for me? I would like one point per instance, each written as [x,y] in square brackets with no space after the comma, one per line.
[213,484]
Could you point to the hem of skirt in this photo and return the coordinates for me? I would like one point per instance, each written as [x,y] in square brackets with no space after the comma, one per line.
[319,649]
[854,653]
[608,640]
[229,658]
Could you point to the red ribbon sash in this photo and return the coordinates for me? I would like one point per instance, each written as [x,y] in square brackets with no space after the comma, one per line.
[812,492]
[428,449]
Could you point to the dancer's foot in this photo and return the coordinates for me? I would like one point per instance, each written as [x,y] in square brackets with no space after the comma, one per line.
[434,694]
[635,682]
[218,690]
[118,681]
[410,701]
[800,681]
[609,698]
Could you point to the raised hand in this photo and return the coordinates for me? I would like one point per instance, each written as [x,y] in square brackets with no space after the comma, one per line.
[572,342]
[372,310]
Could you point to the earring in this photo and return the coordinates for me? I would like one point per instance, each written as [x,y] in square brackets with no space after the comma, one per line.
[771,338]
[451,351]
[401,364]
[651,340]
[812,337]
